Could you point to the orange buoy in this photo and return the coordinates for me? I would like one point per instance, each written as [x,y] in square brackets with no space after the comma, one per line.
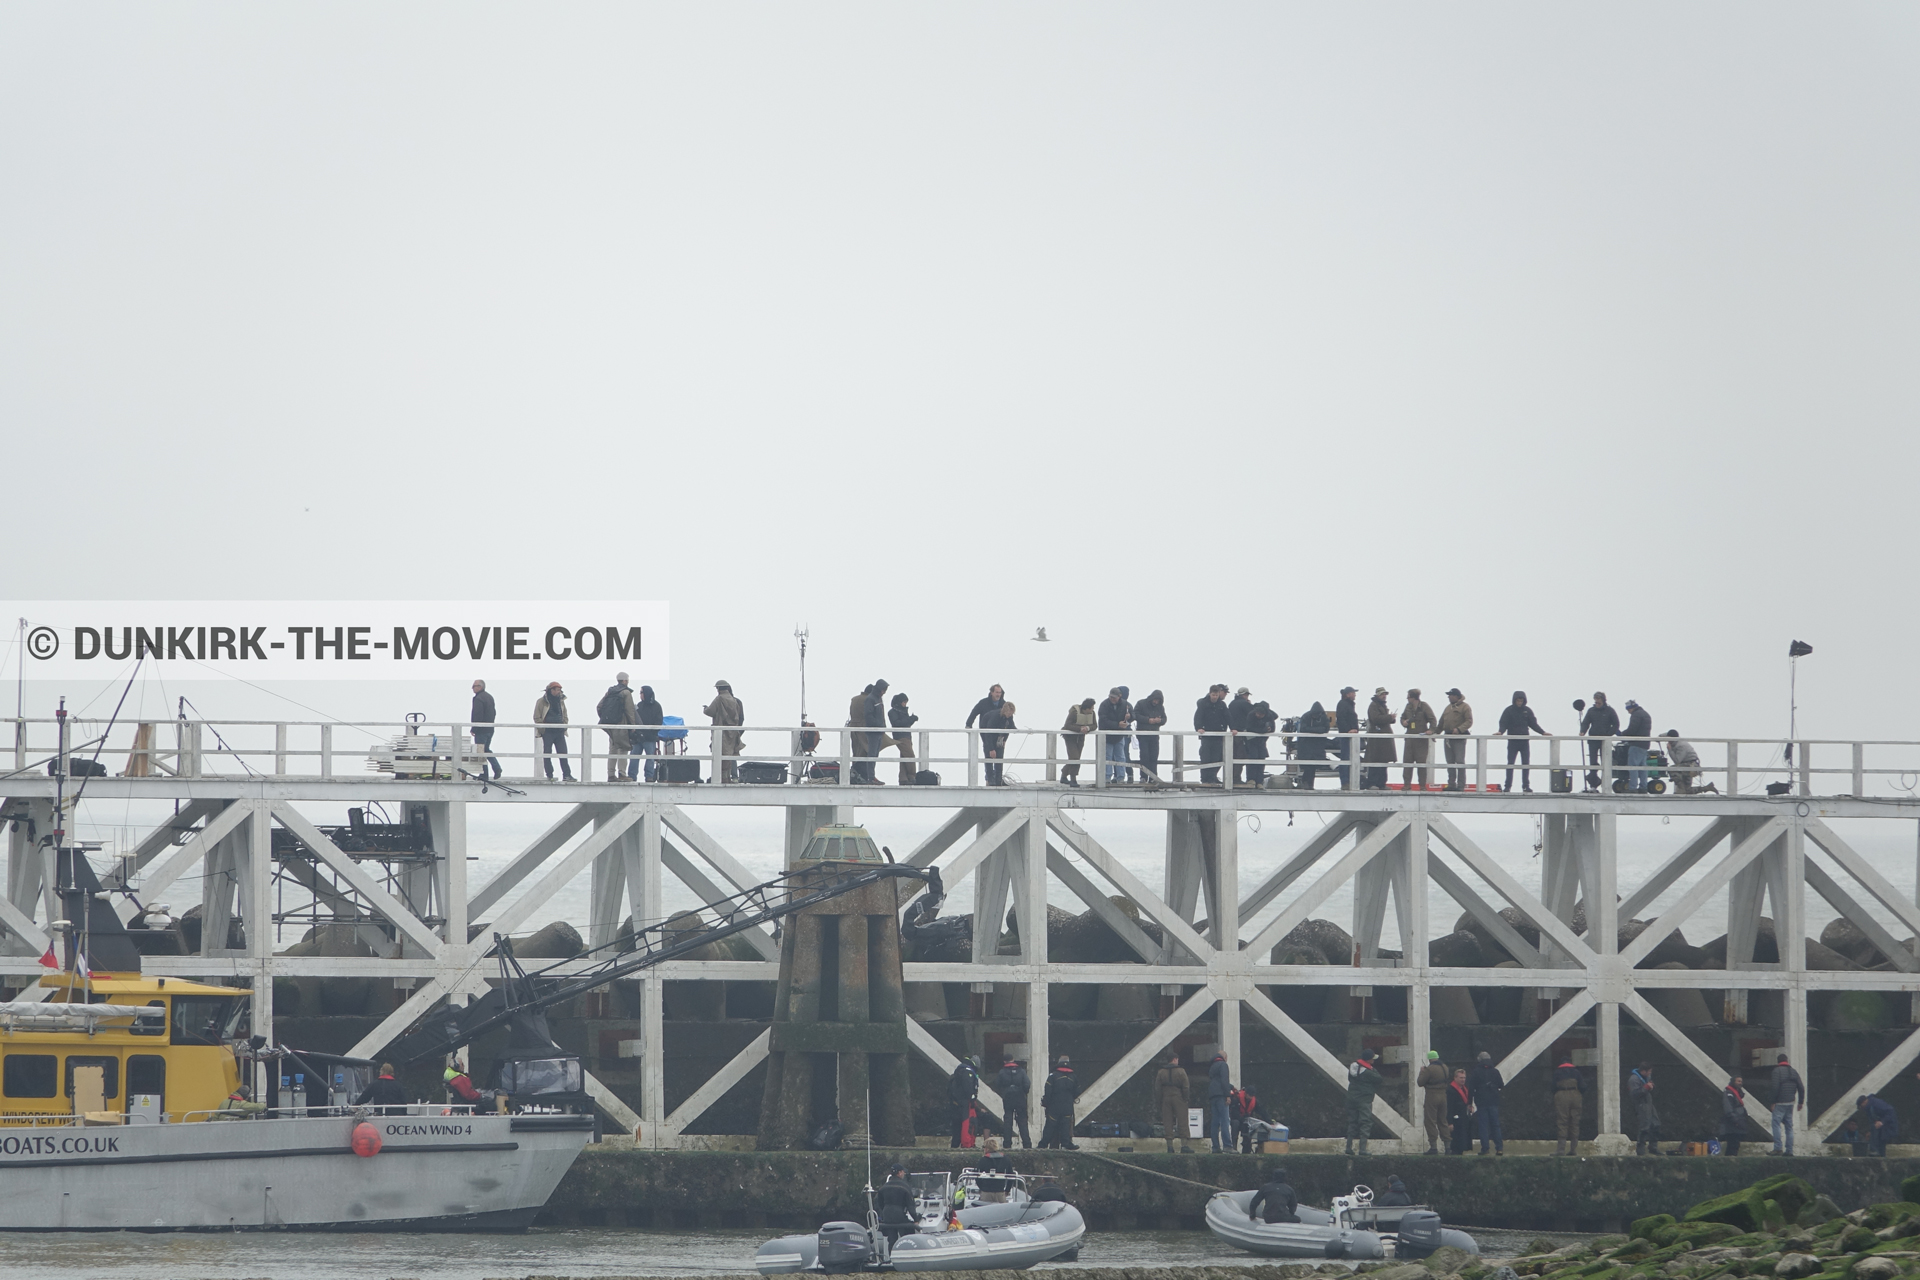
[366,1140]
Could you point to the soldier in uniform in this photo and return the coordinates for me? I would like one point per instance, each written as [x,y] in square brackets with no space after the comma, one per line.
[1455,723]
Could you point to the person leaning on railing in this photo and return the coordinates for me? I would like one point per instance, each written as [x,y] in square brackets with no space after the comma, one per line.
[1080,722]
[1600,723]
[1639,730]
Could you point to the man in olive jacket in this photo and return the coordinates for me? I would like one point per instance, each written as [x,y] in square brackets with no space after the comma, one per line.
[550,708]
[1170,1086]
[1455,723]
[1418,720]
[724,710]
[1433,1081]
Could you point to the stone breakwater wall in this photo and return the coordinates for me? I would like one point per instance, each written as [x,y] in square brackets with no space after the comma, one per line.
[1282,1271]
[801,1189]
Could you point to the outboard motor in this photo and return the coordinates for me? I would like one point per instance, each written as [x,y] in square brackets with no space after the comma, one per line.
[1419,1233]
[844,1246]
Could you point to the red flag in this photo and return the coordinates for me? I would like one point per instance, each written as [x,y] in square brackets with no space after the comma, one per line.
[48,959]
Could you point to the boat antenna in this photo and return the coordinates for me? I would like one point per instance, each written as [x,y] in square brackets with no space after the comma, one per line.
[800,635]
[20,676]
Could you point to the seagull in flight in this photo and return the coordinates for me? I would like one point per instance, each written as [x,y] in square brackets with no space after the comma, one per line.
[1040,634]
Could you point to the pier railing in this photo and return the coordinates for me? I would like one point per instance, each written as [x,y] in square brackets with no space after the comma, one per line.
[849,756]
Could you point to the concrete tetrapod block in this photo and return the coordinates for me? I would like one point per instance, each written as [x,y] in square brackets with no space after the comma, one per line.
[1682,1006]
[1453,1007]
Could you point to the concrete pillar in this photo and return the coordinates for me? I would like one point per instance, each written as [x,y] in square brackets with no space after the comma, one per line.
[1603,932]
[1033,942]
[1414,947]
[259,913]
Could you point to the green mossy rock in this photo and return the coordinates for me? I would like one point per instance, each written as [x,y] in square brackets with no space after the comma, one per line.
[1694,1235]
[1643,1228]
[1885,1215]
[1831,1227]
[1910,1188]
[1747,1241]
[1858,1238]
[1766,1205]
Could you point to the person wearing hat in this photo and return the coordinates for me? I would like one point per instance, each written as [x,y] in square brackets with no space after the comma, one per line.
[1396,1195]
[1683,763]
[1639,736]
[1261,723]
[1346,724]
[1517,722]
[1456,722]
[1015,1087]
[1210,720]
[1239,716]
[1170,1086]
[1379,742]
[1418,720]
[724,710]
[550,708]
[1596,726]
[1433,1080]
[1057,1100]
[894,1202]
[1116,718]
[901,717]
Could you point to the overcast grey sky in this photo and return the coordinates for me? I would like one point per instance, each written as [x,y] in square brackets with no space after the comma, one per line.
[1514,346]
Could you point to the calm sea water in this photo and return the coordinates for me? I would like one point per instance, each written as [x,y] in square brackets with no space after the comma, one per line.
[574,1252]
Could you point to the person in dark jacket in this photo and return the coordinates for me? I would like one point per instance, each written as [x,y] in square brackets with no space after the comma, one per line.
[1569,1096]
[1239,716]
[1789,1094]
[1600,722]
[1262,722]
[1516,722]
[647,718]
[1274,1201]
[1116,718]
[1646,1133]
[1379,749]
[550,713]
[874,716]
[1346,723]
[1015,1089]
[1460,1113]
[1883,1125]
[1638,733]
[1363,1084]
[615,712]
[384,1092]
[1396,1195]
[1149,718]
[1311,743]
[1485,1084]
[481,718]
[1210,718]
[894,1201]
[993,746]
[903,721]
[1219,1101]
[963,1086]
[995,696]
[1056,1099]
[1733,1116]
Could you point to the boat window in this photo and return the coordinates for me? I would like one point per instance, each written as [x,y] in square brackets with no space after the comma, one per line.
[109,1073]
[152,1024]
[30,1075]
[146,1073]
[208,1019]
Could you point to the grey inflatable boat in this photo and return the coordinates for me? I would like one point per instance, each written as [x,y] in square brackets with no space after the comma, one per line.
[1354,1229]
[999,1226]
